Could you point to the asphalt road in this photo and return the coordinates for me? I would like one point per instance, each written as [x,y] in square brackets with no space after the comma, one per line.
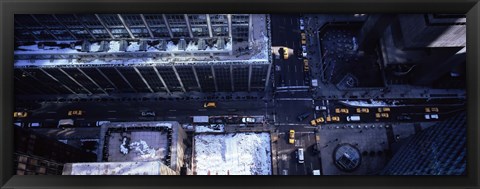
[286,33]
[287,156]
[49,113]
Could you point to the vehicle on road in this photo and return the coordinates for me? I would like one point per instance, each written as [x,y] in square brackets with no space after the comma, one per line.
[336,118]
[431,116]
[20,114]
[285,53]
[304,38]
[148,113]
[100,123]
[320,108]
[302,24]
[313,122]
[320,120]
[341,110]
[431,109]
[384,109]
[248,120]
[209,105]
[65,123]
[353,118]
[291,138]
[305,65]
[300,155]
[304,51]
[200,119]
[34,125]
[363,110]
[76,112]
[382,115]
[316,172]
[303,116]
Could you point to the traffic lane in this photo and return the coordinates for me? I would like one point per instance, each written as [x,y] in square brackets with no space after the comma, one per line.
[168,110]
[287,111]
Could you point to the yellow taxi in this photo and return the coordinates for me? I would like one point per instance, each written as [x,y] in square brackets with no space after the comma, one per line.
[304,38]
[381,115]
[432,109]
[313,122]
[329,119]
[305,65]
[384,109]
[285,53]
[20,114]
[341,110]
[75,113]
[291,138]
[336,118]
[209,105]
[320,120]
[363,110]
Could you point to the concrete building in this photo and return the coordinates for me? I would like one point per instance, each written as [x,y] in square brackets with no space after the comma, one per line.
[137,148]
[36,154]
[438,150]
[137,53]
[421,49]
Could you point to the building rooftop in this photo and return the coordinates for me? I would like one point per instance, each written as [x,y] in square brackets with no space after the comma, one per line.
[117,168]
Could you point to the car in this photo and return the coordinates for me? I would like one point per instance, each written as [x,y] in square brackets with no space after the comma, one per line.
[319,108]
[313,122]
[248,120]
[341,110]
[209,105]
[328,119]
[336,118]
[302,24]
[363,110]
[320,120]
[381,115]
[303,116]
[20,114]
[434,116]
[291,136]
[384,109]
[75,113]
[148,113]
[305,65]
[434,109]
[285,53]
[304,51]
[427,109]
[431,109]
[304,38]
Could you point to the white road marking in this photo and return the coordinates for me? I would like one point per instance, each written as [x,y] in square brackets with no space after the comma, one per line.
[112,111]
[295,69]
[172,110]
[308,137]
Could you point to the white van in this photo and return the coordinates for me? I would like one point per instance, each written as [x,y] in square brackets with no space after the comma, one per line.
[300,155]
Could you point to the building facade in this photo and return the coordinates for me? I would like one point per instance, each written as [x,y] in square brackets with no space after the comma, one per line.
[438,150]
[141,53]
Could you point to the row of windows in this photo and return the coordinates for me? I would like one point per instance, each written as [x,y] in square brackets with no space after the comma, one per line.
[85,26]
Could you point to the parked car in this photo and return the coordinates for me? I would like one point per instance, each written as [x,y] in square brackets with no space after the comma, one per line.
[148,113]
[75,112]
[363,110]
[319,108]
[431,116]
[341,110]
[431,109]
[304,51]
[248,120]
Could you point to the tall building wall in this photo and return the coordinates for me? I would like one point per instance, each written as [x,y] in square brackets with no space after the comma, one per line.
[438,150]
[30,143]
[58,27]
[25,164]
[119,79]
